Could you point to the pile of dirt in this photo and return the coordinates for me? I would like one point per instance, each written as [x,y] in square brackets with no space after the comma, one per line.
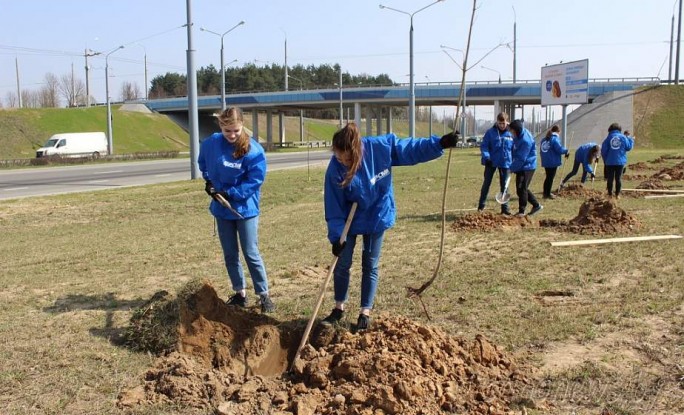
[578,191]
[596,216]
[230,361]
[666,157]
[652,184]
[638,166]
[675,172]
[488,221]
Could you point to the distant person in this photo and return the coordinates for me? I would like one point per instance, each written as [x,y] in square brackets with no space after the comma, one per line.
[584,155]
[234,167]
[614,152]
[361,172]
[551,150]
[495,151]
[523,165]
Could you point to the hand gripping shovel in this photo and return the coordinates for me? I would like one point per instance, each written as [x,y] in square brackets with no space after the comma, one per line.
[226,204]
[504,196]
[307,331]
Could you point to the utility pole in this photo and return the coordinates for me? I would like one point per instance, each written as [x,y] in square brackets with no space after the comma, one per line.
[679,41]
[86,54]
[669,67]
[16,64]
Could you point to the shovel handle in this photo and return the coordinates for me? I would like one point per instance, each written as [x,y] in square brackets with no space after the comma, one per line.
[307,331]
[226,204]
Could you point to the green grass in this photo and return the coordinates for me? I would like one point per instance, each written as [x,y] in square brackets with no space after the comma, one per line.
[657,116]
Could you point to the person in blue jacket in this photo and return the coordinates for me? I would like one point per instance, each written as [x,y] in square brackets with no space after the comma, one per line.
[523,165]
[584,155]
[551,150]
[361,172]
[233,166]
[495,151]
[614,152]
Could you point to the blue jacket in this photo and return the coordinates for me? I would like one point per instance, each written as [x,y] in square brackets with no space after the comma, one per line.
[551,151]
[372,186]
[240,178]
[524,153]
[615,147]
[582,156]
[496,146]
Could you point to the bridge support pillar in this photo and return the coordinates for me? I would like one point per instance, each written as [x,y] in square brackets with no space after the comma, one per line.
[281,128]
[255,124]
[369,120]
[357,114]
[269,130]
[378,119]
[389,120]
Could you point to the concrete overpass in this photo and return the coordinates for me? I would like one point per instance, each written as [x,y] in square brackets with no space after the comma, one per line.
[378,100]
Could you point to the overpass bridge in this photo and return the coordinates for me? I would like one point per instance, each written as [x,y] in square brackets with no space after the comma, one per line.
[377,100]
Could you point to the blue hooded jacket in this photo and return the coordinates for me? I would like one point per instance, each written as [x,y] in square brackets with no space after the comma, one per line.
[496,146]
[524,152]
[615,147]
[551,151]
[240,178]
[371,186]
[582,156]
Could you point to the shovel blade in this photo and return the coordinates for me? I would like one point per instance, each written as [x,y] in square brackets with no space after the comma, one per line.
[502,198]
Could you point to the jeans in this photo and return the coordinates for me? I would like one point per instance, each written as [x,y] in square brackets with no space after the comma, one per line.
[575,168]
[614,173]
[548,181]
[522,187]
[488,176]
[247,231]
[370,257]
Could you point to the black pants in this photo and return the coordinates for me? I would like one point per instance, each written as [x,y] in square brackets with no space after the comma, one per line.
[614,173]
[522,187]
[548,182]
[575,168]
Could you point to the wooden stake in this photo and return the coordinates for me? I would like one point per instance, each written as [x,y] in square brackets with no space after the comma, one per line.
[662,196]
[653,190]
[616,240]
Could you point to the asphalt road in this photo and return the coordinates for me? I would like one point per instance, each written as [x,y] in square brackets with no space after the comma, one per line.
[43,181]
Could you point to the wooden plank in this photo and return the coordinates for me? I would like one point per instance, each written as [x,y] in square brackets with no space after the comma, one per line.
[653,190]
[661,196]
[616,240]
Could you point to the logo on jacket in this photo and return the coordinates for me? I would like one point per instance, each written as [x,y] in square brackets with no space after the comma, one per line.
[545,146]
[615,143]
[379,176]
[232,165]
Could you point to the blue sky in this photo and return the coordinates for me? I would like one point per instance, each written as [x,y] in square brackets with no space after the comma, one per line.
[626,38]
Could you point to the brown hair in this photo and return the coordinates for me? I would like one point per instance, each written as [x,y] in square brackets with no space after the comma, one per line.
[502,116]
[348,140]
[593,153]
[554,129]
[233,116]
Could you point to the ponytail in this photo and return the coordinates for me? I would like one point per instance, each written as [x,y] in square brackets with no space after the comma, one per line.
[348,141]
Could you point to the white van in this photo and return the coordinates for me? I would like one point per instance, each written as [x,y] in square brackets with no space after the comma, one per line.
[75,145]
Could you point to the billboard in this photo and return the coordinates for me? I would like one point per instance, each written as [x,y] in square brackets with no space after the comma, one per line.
[565,83]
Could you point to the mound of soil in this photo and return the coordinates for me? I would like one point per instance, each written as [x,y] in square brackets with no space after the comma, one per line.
[229,361]
[665,157]
[638,166]
[488,221]
[578,191]
[652,184]
[596,216]
[675,172]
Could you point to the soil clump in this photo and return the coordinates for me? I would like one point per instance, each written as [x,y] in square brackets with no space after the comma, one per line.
[597,216]
[577,191]
[231,361]
[488,221]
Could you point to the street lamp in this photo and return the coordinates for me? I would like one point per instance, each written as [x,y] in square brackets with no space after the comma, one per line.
[110,141]
[493,70]
[412,91]
[341,109]
[145,62]
[223,73]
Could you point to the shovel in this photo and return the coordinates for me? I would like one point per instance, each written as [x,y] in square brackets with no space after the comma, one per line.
[504,196]
[592,178]
[226,204]
[307,331]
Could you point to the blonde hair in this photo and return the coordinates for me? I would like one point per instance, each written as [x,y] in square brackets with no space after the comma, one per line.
[233,116]
[348,140]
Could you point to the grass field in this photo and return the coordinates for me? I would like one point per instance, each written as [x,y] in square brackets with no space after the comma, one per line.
[75,266]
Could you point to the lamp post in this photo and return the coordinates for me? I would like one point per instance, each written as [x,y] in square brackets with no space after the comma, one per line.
[86,54]
[412,91]
[110,141]
[515,41]
[493,70]
[339,84]
[223,73]
[465,96]
[145,63]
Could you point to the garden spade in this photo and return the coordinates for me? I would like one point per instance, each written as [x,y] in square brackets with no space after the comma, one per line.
[504,196]
[226,204]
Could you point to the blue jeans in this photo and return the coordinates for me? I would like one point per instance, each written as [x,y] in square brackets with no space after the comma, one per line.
[247,231]
[488,176]
[372,245]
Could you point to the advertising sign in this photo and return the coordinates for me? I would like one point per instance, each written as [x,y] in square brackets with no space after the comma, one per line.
[565,83]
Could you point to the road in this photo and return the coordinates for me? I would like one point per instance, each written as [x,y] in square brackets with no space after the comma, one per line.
[22,183]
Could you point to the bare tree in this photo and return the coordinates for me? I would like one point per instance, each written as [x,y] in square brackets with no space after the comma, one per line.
[30,99]
[12,100]
[129,91]
[49,93]
[72,89]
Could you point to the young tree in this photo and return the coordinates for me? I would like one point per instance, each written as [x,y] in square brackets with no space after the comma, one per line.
[49,92]
[71,88]
[30,99]
[129,91]
[12,100]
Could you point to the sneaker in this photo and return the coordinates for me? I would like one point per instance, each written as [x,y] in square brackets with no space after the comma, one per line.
[267,305]
[363,323]
[334,317]
[562,185]
[480,209]
[506,212]
[536,209]
[238,300]
[551,196]
[520,215]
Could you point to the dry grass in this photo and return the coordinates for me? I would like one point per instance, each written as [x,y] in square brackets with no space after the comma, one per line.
[74,267]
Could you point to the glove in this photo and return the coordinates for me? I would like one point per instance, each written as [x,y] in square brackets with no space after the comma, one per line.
[338,247]
[567,155]
[624,170]
[593,176]
[449,140]
[209,188]
[488,163]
